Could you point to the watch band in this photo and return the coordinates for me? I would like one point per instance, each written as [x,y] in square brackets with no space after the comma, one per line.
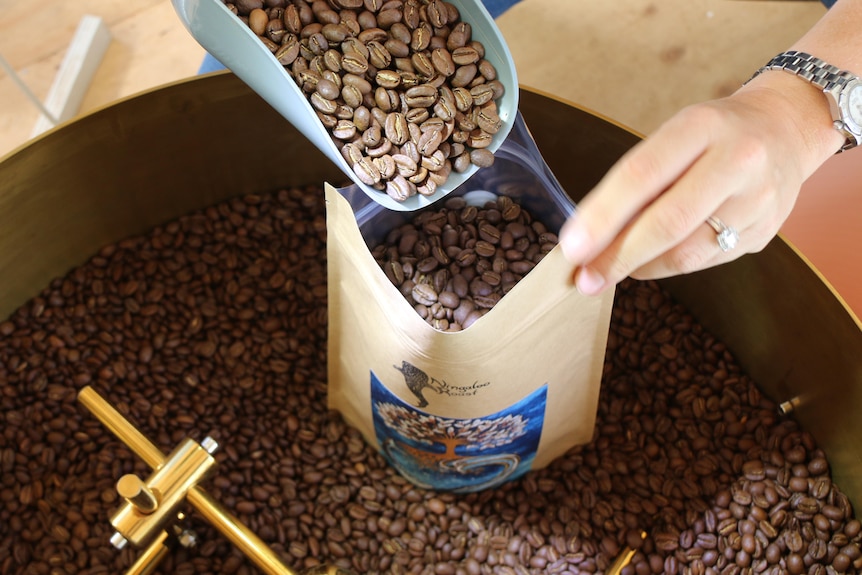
[823,75]
[830,79]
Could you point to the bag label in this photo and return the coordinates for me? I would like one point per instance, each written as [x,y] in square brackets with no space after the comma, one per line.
[459,455]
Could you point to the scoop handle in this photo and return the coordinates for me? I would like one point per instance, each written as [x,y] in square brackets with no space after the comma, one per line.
[236,46]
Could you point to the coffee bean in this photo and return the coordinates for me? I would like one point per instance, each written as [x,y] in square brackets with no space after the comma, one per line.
[367,171]
[424,294]
[481,157]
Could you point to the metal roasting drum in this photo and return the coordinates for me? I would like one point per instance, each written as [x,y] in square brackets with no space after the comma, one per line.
[151,158]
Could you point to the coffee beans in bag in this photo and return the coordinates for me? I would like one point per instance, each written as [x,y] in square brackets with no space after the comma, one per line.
[457,344]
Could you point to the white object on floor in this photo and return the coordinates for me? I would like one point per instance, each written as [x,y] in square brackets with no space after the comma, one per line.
[23,87]
[83,57]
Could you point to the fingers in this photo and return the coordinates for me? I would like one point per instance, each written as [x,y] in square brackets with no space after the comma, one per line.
[640,177]
[673,226]
[701,250]
[698,250]
[733,158]
[647,218]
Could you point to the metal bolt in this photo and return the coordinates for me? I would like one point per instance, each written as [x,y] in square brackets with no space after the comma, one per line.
[787,407]
[118,541]
[209,444]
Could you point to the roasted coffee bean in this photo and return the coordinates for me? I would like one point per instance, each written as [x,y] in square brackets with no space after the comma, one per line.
[386,165]
[344,130]
[328,89]
[481,157]
[288,51]
[396,128]
[389,79]
[485,249]
[399,188]
[354,63]
[322,104]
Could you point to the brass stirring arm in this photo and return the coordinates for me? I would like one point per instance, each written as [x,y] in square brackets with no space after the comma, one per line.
[188,464]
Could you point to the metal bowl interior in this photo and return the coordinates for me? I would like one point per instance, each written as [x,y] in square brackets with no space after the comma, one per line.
[151,158]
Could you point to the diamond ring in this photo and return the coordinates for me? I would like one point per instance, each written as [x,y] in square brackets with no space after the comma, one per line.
[727,236]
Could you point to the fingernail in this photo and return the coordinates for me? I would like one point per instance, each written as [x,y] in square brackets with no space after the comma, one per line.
[589,281]
[573,241]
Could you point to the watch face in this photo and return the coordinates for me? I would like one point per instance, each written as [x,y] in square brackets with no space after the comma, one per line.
[854,104]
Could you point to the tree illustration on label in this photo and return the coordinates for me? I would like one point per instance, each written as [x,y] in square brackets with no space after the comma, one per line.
[456,454]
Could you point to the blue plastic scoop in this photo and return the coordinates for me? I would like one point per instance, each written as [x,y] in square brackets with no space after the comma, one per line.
[234,44]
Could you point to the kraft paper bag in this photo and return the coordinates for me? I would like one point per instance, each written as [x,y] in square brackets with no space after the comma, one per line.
[468,410]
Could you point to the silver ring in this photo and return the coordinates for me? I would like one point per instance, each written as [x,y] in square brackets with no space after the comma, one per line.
[727,236]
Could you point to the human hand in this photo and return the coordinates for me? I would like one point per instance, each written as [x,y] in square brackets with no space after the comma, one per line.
[741,159]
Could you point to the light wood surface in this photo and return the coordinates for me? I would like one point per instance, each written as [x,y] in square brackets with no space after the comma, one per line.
[149,47]
[639,61]
[73,79]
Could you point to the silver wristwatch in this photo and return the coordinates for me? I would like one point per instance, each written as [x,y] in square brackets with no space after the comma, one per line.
[843,90]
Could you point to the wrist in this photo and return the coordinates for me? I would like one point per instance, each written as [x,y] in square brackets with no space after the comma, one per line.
[803,106]
[841,89]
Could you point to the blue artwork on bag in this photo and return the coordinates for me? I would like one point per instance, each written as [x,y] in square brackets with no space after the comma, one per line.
[451,454]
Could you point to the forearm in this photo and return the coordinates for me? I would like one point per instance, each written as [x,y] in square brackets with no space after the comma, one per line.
[836,39]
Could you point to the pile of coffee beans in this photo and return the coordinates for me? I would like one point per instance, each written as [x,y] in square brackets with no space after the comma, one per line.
[401,85]
[215,324]
[454,263]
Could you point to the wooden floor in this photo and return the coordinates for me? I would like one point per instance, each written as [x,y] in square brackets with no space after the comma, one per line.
[632,61]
